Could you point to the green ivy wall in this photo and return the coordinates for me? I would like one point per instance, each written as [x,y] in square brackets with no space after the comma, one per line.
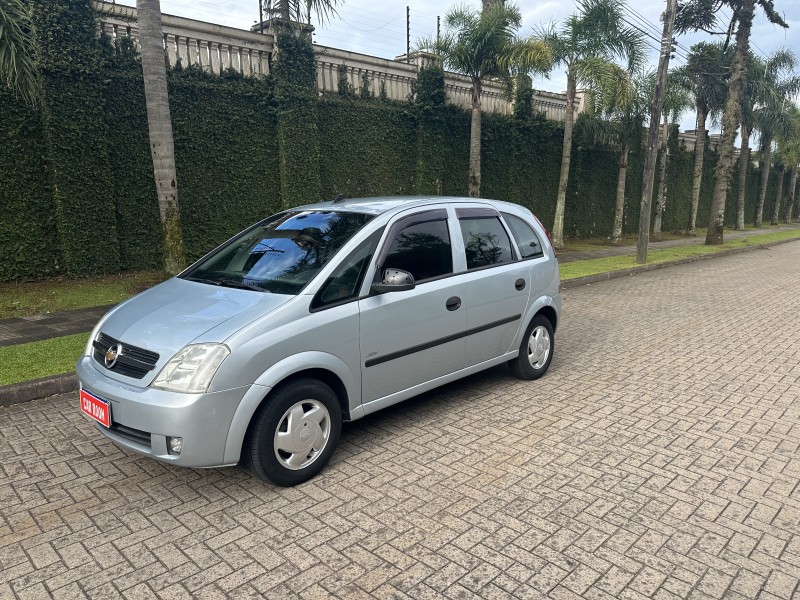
[77,194]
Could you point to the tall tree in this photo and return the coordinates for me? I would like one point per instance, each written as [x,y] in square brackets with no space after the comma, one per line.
[771,118]
[676,101]
[586,45]
[704,76]
[788,156]
[616,113]
[703,15]
[484,45]
[17,66]
[159,124]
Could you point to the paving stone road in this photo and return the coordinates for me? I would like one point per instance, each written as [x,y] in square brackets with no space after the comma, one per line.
[658,458]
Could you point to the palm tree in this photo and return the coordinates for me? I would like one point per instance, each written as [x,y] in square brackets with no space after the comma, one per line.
[17,67]
[771,118]
[484,45]
[676,101]
[702,15]
[160,127]
[787,156]
[617,113]
[705,77]
[586,44]
[294,10]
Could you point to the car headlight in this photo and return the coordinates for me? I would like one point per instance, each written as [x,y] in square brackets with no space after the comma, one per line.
[192,369]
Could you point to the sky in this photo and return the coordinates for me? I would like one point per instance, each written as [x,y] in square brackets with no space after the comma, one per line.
[378,27]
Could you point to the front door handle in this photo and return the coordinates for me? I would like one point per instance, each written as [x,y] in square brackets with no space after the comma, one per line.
[519,284]
[453,303]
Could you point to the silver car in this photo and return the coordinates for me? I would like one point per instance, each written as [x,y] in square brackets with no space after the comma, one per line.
[320,314]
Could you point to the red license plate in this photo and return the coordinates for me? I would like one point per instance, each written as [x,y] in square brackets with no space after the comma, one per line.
[98,409]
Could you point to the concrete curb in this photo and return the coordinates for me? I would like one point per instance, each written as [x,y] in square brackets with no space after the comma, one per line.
[38,388]
[579,281]
[67,382]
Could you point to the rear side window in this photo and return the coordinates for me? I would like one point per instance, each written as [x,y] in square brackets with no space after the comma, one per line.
[422,249]
[485,241]
[527,240]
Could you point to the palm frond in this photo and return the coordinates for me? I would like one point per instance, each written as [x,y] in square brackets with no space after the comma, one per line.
[17,66]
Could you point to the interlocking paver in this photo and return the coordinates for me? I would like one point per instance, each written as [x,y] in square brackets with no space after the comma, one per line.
[660,458]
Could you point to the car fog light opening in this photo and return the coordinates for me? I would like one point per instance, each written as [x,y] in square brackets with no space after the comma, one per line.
[174,445]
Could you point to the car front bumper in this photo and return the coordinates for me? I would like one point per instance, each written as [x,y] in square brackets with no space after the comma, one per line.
[143,418]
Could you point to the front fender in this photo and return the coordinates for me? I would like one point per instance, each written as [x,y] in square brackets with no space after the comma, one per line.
[272,377]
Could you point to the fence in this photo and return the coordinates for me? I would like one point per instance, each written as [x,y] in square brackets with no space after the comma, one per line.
[217,47]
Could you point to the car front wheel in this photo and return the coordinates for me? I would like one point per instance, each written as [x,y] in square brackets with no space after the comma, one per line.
[295,433]
[535,351]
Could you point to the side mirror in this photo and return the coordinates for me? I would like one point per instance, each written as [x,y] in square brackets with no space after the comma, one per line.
[394,280]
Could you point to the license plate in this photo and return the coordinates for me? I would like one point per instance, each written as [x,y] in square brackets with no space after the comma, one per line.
[96,408]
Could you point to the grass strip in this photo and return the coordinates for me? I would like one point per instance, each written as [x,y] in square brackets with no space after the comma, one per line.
[23,362]
[41,297]
[595,266]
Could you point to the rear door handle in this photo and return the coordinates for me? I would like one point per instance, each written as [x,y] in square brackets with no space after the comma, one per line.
[453,303]
[519,284]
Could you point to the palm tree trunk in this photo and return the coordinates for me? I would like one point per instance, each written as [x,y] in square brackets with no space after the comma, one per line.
[566,154]
[792,195]
[160,128]
[661,200]
[766,157]
[744,162]
[778,197]
[616,236]
[699,158]
[730,124]
[475,142]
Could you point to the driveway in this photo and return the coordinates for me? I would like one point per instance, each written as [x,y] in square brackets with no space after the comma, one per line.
[658,458]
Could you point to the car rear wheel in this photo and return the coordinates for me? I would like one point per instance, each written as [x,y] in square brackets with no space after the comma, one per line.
[294,433]
[535,351]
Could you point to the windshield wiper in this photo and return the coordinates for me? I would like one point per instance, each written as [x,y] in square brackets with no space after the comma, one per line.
[231,283]
[240,285]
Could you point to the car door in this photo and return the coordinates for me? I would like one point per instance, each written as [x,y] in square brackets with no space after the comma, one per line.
[497,284]
[412,337]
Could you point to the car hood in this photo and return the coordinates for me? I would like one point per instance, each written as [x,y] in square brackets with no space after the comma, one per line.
[177,312]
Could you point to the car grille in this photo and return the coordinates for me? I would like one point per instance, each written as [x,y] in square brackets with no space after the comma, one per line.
[131,434]
[132,361]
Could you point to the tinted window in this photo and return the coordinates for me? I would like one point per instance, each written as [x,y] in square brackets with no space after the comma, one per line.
[282,254]
[423,250]
[527,240]
[486,242]
[346,280]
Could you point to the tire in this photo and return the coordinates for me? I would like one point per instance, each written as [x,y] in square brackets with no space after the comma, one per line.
[294,433]
[535,351]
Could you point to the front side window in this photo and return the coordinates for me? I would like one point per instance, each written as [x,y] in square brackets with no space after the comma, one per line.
[345,282]
[422,249]
[485,241]
[280,255]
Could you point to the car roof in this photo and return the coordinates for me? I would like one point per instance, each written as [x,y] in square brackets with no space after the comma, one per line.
[378,205]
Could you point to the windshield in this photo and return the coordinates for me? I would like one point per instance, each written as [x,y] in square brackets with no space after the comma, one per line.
[282,254]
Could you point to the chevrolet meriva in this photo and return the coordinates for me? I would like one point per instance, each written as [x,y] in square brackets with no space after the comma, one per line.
[321,314]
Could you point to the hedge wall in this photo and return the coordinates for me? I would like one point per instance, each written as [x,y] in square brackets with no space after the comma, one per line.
[77,195]
[28,239]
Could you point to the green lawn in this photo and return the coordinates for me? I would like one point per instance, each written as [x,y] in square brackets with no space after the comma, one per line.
[24,362]
[40,297]
[595,266]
